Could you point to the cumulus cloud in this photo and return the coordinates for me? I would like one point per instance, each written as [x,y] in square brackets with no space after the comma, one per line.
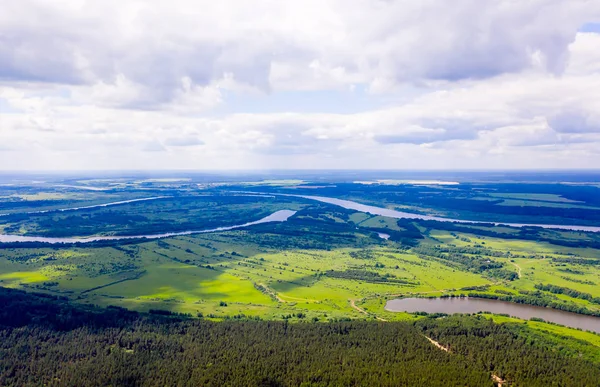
[143,84]
[152,45]
[573,121]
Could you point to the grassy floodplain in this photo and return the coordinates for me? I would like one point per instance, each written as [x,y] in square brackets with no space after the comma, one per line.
[323,264]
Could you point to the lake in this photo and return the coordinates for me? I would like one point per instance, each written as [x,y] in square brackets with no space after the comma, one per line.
[474,305]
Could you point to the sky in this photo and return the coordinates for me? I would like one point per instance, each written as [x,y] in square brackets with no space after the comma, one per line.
[311,84]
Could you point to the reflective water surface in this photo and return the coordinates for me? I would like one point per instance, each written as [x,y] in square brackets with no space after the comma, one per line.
[348,204]
[279,216]
[474,305]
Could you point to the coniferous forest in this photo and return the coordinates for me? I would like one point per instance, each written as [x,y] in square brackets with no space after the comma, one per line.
[47,341]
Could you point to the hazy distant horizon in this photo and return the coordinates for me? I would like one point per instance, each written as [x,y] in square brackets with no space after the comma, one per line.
[324,175]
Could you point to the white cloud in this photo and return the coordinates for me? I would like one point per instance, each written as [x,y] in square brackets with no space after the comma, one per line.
[266,43]
[156,84]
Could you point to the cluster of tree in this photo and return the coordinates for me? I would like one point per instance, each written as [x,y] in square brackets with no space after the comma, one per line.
[131,252]
[362,254]
[408,237]
[568,292]
[45,341]
[577,281]
[461,257]
[504,274]
[570,270]
[410,230]
[367,276]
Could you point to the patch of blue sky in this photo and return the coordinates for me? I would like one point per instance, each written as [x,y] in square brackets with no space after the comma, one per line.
[590,27]
[352,101]
[5,108]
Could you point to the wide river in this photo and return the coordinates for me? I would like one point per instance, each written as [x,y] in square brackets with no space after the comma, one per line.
[278,216]
[474,305]
[89,207]
[348,204]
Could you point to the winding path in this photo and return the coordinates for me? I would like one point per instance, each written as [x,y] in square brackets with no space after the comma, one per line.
[361,310]
[271,292]
[437,344]
[518,269]
[495,378]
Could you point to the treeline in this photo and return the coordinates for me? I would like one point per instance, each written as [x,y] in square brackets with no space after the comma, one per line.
[368,276]
[538,299]
[470,250]
[577,261]
[568,292]
[31,205]
[45,341]
[524,233]
[57,246]
[489,209]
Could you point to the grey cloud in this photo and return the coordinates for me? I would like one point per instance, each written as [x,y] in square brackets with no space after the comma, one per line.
[457,129]
[20,60]
[291,141]
[288,137]
[573,121]
[402,40]
[183,141]
[154,146]
[432,130]
[405,139]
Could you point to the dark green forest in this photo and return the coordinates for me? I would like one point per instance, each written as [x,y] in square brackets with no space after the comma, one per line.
[47,341]
[461,201]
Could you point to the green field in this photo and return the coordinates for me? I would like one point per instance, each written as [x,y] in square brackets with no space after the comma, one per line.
[323,264]
[194,274]
[252,275]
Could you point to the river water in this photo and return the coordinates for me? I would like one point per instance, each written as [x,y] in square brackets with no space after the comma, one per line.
[88,207]
[474,305]
[348,204]
[278,216]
